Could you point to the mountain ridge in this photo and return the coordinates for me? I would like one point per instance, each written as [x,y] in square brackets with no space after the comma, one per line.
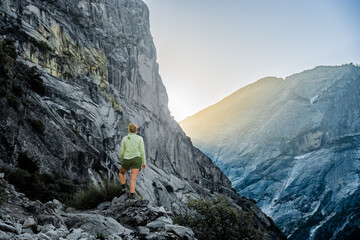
[260,141]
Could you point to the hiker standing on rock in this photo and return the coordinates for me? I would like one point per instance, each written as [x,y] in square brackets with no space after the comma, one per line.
[132,157]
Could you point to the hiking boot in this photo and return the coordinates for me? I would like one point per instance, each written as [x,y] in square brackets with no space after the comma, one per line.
[123,188]
[131,196]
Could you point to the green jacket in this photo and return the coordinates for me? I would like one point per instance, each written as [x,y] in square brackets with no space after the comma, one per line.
[132,145]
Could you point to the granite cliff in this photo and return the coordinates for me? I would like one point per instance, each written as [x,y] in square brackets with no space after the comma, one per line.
[98,70]
[293,145]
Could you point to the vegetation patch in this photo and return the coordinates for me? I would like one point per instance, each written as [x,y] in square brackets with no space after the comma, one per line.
[38,186]
[217,219]
[3,195]
[16,76]
[100,236]
[13,101]
[37,125]
[43,46]
[67,53]
[34,81]
[76,131]
[7,60]
[92,196]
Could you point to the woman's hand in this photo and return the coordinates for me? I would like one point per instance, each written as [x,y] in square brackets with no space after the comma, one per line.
[143,167]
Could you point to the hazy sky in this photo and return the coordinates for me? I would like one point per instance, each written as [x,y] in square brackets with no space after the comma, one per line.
[207,49]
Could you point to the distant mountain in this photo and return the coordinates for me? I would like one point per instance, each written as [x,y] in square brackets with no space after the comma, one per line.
[294,146]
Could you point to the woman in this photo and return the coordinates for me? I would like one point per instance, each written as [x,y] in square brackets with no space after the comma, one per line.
[132,157]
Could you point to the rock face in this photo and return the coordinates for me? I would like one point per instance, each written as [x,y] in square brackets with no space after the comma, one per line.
[100,75]
[293,145]
[98,65]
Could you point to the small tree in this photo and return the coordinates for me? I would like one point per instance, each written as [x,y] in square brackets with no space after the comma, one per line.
[217,219]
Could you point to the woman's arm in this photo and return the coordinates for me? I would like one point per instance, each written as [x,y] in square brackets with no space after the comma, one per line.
[142,152]
[122,151]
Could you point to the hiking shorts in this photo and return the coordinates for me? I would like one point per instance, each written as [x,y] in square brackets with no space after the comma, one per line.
[133,163]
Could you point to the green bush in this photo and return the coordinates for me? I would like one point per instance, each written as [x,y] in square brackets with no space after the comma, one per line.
[217,219]
[93,196]
[17,90]
[76,131]
[67,53]
[13,101]
[27,163]
[100,236]
[7,60]
[3,195]
[43,46]
[7,47]
[34,81]
[38,186]
[37,125]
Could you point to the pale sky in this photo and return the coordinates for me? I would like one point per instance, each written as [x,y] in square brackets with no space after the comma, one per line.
[208,49]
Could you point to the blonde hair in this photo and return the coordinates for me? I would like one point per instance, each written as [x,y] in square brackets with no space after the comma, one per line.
[132,128]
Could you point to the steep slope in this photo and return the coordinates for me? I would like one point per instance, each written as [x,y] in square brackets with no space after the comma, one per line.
[292,145]
[99,71]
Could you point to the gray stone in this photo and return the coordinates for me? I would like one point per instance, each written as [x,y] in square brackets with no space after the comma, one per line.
[103,205]
[43,236]
[114,237]
[25,236]
[143,230]
[70,210]
[138,219]
[159,223]
[62,231]
[6,209]
[7,228]
[4,235]
[18,227]
[27,230]
[5,217]
[165,220]
[29,222]
[75,234]
[46,228]
[53,234]
[181,231]
[96,223]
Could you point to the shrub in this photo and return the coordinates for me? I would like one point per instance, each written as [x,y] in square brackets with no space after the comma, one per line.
[76,131]
[93,196]
[13,101]
[7,47]
[18,91]
[100,236]
[218,219]
[3,195]
[27,163]
[7,61]
[67,53]
[37,125]
[38,186]
[34,81]
[43,46]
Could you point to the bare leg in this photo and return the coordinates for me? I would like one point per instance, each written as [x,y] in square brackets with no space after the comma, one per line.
[134,173]
[122,175]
